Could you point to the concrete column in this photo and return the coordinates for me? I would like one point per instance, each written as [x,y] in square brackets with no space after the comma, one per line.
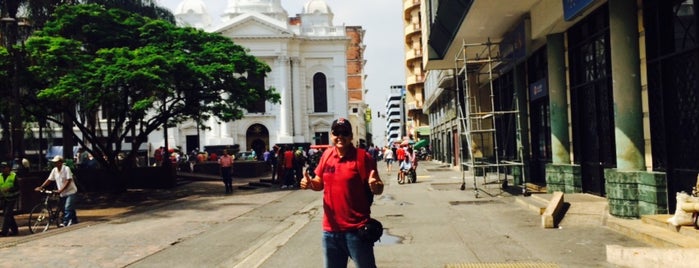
[626,82]
[285,108]
[298,101]
[558,100]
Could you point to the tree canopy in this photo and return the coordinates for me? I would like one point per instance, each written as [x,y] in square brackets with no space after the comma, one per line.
[138,74]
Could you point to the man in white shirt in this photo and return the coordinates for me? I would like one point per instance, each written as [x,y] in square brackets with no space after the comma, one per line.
[65,186]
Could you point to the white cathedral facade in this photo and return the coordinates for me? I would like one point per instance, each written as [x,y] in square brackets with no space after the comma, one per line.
[307,55]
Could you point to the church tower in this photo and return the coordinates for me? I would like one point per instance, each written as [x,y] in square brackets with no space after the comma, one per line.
[192,13]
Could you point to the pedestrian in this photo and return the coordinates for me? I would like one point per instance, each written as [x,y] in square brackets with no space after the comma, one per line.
[193,158]
[346,200]
[288,168]
[388,156]
[313,160]
[299,163]
[10,193]
[66,188]
[158,155]
[226,162]
[272,161]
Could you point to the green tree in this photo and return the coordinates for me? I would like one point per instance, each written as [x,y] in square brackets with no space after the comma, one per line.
[140,74]
[20,19]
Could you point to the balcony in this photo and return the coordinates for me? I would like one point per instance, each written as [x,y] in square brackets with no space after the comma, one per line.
[413,54]
[410,4]
[411,29]
[445,79]
[414,79]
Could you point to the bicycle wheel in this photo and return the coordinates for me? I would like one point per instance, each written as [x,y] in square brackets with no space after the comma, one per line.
[39,219]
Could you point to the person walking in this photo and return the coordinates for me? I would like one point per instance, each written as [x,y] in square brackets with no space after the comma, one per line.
[300,160]
[288,168]
[272,162]
[346,205]
[226,162]
[388,156]
[10,193]
[66,188]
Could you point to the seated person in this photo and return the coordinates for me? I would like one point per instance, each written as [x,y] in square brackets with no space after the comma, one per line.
[405,166]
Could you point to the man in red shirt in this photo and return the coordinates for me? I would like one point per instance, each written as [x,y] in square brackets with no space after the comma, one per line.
[288,168]
[400,154]
[226,162]
[346,205]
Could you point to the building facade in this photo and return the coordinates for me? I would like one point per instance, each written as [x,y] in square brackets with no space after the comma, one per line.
[355,86]
[309,60]
[395,114]
[606,90]
[417,120]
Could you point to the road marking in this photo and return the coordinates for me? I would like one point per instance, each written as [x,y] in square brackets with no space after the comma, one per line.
[259,252]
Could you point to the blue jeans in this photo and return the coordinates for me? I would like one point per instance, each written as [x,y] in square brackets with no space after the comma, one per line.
[338,246]
[69,214]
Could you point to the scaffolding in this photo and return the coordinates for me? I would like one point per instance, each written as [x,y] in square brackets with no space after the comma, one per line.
[478,115]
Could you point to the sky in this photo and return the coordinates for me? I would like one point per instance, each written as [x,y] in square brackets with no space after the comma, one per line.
[385,59]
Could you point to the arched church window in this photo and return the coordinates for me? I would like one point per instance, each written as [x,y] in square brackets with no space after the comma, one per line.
[320,93]
[257,80]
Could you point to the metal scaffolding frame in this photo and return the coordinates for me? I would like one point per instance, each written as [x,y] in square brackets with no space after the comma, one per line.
[477,120]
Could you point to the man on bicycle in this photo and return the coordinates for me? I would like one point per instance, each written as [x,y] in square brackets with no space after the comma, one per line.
[66,187]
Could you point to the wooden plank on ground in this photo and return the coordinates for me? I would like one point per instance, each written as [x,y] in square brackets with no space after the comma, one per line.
[548,218]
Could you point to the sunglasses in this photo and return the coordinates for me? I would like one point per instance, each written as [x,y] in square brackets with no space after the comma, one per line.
[343,133]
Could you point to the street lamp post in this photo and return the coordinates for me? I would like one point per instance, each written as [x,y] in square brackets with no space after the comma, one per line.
[14,33]
[9,38]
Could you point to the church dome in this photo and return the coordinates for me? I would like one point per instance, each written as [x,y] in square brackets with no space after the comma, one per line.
[272,8]
[313,6]
[192,13]
[191,6]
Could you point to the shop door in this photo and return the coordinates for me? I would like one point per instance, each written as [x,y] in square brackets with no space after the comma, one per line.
[595,139]
[672,42]
[591,99]
[541,140]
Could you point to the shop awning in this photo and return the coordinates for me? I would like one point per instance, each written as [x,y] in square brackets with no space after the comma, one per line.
[423,131]
[420,144]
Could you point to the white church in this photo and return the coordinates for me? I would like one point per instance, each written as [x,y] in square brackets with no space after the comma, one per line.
[307,55]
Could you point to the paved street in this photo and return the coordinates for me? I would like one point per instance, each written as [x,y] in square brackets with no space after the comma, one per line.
[428,224]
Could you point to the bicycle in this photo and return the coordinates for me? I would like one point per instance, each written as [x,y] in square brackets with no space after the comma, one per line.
[46,213]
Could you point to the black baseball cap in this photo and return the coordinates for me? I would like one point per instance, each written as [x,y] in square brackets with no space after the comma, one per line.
[341,125]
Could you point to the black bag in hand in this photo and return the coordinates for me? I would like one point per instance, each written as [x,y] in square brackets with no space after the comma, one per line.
[371,231]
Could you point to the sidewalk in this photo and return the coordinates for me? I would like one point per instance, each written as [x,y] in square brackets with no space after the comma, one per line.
[100,207]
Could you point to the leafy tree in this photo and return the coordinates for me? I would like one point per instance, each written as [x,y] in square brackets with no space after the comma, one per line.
[32,15]
[141,74]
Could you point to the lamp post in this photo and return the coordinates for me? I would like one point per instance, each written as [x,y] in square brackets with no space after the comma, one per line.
[13,33]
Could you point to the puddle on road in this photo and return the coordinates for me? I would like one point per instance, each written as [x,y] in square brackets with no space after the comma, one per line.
[388,239]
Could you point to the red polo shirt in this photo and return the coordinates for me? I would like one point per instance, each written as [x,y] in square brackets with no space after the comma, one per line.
[345,201]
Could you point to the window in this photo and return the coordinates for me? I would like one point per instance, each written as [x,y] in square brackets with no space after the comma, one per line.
[257,81]
[320,93]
